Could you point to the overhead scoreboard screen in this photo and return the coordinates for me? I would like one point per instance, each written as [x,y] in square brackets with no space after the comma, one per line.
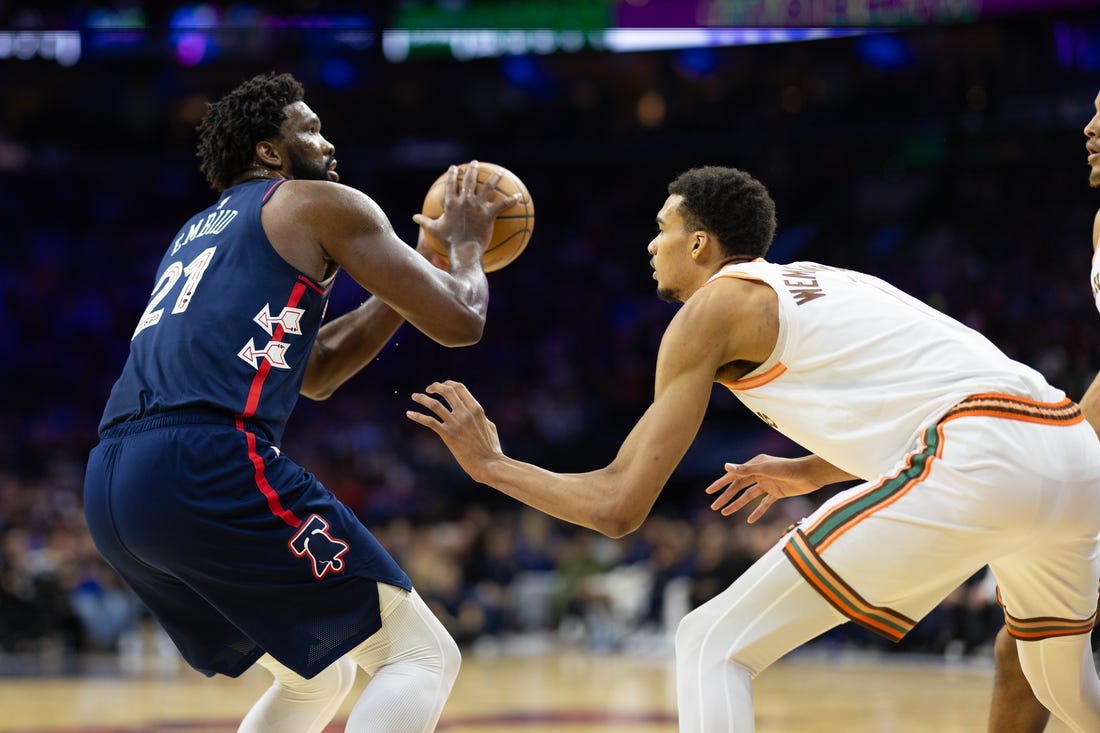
[480,28]
[594,15]
[201,33]
[831,13]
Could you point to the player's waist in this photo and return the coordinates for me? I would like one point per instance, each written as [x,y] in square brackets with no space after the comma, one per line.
[1013,407]
[187,416]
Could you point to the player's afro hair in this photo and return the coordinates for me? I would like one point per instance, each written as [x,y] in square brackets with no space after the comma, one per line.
[232,126]
[731,205]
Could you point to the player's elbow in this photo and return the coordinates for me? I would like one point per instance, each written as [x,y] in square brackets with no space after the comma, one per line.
[316,393]
[617,521]
[463,331]
[464,338]
[618,502]
[319,382]
[617,530]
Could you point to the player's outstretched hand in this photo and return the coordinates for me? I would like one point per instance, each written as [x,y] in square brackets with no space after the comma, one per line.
[767,476]
[460,421]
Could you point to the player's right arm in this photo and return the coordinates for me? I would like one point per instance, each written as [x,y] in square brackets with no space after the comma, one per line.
[324,224]
[1090,402]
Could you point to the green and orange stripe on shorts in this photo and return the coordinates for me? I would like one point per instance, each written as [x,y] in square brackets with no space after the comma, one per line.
[804,547]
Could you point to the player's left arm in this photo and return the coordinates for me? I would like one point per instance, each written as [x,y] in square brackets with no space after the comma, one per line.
[772,478]
[345,345]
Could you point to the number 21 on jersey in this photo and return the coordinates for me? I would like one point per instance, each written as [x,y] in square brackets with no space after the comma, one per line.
[194,271]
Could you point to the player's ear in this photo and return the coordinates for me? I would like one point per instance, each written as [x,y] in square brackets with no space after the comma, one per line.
[701,244]
[268,154]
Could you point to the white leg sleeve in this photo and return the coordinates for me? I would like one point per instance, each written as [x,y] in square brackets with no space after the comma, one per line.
[294,704]
[413,662]
[1060,671]
[727,641]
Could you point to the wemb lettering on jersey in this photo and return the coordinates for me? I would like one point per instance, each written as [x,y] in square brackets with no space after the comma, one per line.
[803,284]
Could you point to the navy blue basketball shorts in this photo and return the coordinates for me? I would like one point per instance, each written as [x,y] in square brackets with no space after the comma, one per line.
[234,548]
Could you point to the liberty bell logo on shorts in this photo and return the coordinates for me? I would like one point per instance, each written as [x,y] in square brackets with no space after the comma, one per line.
[324,550]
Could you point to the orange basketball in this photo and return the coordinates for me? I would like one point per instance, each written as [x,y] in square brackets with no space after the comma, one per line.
[513,226]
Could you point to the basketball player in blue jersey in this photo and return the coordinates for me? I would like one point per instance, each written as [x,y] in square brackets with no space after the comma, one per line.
[239,553]
[1014,708]
[966,458]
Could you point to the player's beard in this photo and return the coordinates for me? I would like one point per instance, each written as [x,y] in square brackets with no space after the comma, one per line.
[304,169]
[1094,178]
[667,295]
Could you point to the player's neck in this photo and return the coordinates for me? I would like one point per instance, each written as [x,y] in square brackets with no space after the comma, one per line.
[258,173]
[735,260]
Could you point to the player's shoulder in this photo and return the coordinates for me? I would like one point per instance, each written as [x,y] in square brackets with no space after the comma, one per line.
[730,319]
[1096,230]
[325,202]
[322,193]
[730,296]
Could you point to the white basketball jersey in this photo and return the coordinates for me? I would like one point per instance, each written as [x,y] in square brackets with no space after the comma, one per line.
[860,367]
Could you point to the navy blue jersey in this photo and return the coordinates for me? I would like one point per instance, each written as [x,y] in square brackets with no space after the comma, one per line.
[229,325]
[235,549]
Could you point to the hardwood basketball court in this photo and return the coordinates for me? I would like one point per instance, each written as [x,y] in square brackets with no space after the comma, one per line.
[562,691]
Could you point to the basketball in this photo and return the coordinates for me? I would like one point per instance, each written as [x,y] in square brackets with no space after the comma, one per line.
[513,226]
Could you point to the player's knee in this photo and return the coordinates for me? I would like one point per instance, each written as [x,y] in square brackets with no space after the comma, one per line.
[691,632]
[1061,677]
[451,660]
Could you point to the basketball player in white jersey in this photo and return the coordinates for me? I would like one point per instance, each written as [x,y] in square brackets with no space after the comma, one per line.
[967,458]
[1014,708]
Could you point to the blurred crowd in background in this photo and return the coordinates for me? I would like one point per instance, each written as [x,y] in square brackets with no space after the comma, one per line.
[948,160]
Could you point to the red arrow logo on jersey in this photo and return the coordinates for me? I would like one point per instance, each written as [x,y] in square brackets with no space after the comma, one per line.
[274,352]
[288,318]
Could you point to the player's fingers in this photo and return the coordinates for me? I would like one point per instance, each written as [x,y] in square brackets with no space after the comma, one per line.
[718,483]
[452,184]
[445,389]
[426,420]
[762,507]
[438,387]
[744,470]
[437,407]
[725,497]
[458,393]
[499,206]
[458,397]
[469,177]
[427,224]
[491,183]
[743,500]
